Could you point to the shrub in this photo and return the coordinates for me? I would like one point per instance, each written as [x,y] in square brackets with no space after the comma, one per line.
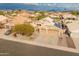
[57,19]
[24,29]
[40,17]
[2,12]
[75,13]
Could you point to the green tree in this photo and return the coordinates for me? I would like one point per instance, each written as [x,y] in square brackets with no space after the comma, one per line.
[25,29]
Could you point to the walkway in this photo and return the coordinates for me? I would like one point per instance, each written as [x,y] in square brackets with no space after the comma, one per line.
[49,37]
[66,42]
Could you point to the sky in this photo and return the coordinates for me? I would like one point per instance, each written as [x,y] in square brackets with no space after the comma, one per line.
[57,4]
[74,6]
[41,6]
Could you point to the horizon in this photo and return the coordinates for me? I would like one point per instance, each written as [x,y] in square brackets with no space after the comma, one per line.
[40,6]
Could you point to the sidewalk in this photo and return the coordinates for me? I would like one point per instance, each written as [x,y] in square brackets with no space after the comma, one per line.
[74,28]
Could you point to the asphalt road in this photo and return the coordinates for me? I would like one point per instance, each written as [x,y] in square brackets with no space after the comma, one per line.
[11,48]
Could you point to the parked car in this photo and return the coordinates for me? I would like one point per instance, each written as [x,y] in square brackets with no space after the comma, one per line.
[8,32]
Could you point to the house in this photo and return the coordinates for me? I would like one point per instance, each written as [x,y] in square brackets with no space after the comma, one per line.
[2,18]
[55,15]
[47,24]
[2,21]
[69,16]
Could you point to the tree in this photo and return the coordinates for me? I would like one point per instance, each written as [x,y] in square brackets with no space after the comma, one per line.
[24,29]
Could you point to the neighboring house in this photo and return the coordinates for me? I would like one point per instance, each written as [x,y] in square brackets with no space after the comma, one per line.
[69,16]
[55,16]
[47,23]
[24,13]
[2,21]
[20,19]
[2,18]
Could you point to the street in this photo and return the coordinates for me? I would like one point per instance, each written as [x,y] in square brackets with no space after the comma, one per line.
[16,48]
